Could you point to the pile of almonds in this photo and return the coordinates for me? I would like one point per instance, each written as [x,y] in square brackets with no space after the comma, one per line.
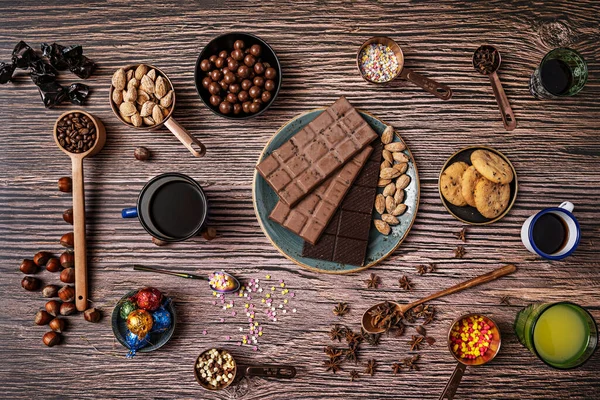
[142,95]
[393,180]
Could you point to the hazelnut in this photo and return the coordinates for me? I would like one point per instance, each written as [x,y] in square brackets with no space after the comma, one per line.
[30,283]
[68,240]
[28,267]
[209,233]
[65,184]
[141,153]
[41,258]
[66,293]
[53,307]
[42,317]
[53,265]
[92,315]
[57,325]
[50,290]
[67,259]
[67,275]
[67,308]
[68,216]
[51,338]
[159,242]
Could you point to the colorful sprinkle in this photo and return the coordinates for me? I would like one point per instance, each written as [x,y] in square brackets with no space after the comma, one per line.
[378,63]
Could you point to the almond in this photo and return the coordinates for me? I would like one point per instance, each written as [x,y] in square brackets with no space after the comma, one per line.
[157,114]
[390,204]
[117,97]
[395,147]
[129,74]
[402,182]
[142,97]
[380,203]
[148,121]
[399,210]
[165,111]
[387,155]
[382,227]
[130,94]
[140,71]
[383,182]
[126,118]
[127,109]
[390,219]
[119,80]
[133,82]
[136,120]
[399,157]
[151,74]
[147,108]
[167,100]
[389,190]
[160,87]
[385,164]
[389,173]
[388,135]
[147,84]
[399,196]
[402,167]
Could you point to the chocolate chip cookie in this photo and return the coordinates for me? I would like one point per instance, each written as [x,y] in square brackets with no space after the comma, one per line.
[469,180]
[491,199]
[451,183]
[491,166]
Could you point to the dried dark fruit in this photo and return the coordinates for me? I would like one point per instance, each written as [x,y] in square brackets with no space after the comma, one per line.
[67,293]
[92,315]
[141,154]
[41,258]
[30,283]
[65,184]
[28,267]
[53,307]
[42,317]
[67,259]
[68,240]
[51,338]
[67,275]
[53,265]
[57,325]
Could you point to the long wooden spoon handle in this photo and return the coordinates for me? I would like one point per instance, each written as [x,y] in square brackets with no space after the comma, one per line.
[490,276]
[79,233]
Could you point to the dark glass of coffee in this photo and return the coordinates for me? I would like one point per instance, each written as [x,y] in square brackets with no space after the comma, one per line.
[562,72]
[550,233]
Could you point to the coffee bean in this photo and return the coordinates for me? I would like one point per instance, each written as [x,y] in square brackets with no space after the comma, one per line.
[76,133]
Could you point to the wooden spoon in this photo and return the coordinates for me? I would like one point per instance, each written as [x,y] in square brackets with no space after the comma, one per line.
[403,308]
[79,205]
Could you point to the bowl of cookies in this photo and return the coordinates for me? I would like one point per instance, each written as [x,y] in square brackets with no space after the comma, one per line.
[478,185]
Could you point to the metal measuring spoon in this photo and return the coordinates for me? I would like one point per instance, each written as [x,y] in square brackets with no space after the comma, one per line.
[79,205]
[403,308]
[234,288]
[486,61]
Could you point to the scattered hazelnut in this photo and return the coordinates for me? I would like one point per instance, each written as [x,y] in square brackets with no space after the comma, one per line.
[28,267]
[67,275]
[30,283]
[209,233]
[159,242]
[57,325]
[50,290]
[67,259]
[67,308]
[66,293]
[53,265]
[92,315]
[68,216]
[53,307]
[42,317]
[141,153]
[68,240]
[65,184]
[51,338]
[41,258]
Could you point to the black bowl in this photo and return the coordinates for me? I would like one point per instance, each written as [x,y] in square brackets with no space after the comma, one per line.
[225,42]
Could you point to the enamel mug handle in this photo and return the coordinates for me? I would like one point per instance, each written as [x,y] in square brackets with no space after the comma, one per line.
[130,212]
[567,205]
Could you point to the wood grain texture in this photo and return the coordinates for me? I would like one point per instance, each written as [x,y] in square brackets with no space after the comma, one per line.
[555,150]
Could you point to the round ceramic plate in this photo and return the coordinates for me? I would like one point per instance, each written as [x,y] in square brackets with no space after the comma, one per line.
[290,244]
[469,214]
[157,339]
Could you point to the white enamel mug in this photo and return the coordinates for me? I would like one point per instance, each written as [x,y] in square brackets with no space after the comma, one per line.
[564,212]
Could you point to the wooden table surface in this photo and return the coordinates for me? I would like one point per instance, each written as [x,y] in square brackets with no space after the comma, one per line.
[555,149]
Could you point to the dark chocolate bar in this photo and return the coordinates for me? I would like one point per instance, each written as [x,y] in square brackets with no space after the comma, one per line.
[316,152]
[346,238]
[309,218]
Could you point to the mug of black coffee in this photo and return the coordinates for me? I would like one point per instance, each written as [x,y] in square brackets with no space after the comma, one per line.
[552,233]
[171,207]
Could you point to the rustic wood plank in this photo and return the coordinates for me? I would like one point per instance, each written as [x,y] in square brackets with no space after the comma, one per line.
[555,149]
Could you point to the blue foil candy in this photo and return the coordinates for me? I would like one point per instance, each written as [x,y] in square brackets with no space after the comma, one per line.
[134,343]
[162,319]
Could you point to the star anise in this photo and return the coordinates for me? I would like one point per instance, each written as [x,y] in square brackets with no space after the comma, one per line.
[421,269]
[352,353]
[341,309]
[385,316]
[352,338]
[370,368]
[353,375]
[411,362]
[505,300]
[337,333]
[333,365]
[371,338]
[396,367]
[333,352]
[459,251]
[373,282]
[405,283]
[415,343]
[461,234]
[410,317]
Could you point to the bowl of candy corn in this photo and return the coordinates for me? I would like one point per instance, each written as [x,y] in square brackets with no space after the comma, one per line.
[474,339]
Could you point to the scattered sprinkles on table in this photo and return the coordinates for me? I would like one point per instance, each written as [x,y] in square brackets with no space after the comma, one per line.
[471,337]
[378,63]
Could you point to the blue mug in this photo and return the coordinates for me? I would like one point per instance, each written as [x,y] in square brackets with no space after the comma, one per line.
[552,233]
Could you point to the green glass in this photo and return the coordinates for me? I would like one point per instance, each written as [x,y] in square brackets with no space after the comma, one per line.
[562,72]
[525,328]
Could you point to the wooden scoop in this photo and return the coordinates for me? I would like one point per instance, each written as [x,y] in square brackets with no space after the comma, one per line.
[79,205]
[403,308]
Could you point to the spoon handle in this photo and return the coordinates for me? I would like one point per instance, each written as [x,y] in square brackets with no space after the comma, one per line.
[453,382]
[490,276]
[508,117]
[271,371]
[79,235]
[437,89]
[188,140]
[167,272]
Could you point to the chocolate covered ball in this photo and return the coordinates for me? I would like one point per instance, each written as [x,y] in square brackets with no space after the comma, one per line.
[214,88]
[255,50]
[233,65]
[216,75]
[212,58]
[225,107]
[205,65]
[254,92]
[239,44]
[258,81]
[243,96]
[249,60]
[219,62]
[246,84]
[269,85]
[237,55]
[224,85]
[246,106]
[265,96]
[237,108]
[229,78]
[243,71]
[232,98]
[223,54]
[224,70]
[254,107]
[206,81]
[215,100]
[235,88]
[259,68]
[270,73]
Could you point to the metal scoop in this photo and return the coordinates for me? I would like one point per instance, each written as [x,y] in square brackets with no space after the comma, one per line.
[233,279]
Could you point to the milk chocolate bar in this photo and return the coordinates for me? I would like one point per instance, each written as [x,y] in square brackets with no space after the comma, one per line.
[316,152]
[346,238]
[309,218]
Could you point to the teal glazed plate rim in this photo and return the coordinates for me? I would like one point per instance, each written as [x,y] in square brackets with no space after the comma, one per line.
[290,245]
